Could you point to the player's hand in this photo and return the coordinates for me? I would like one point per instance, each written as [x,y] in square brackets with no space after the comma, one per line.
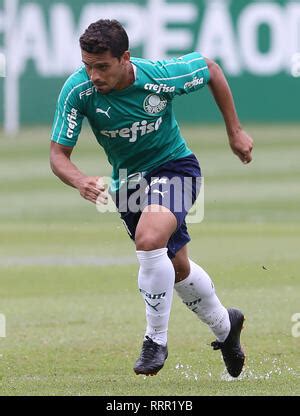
[93,189]
[241,144]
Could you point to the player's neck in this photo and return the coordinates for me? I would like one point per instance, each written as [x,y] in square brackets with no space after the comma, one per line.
[128,79]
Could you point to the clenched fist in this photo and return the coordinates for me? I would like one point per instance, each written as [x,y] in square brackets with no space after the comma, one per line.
[241,144]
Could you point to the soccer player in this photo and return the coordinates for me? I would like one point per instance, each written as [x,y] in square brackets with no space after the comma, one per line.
[128,103]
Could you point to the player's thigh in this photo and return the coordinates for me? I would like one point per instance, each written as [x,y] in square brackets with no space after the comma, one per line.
[155,227]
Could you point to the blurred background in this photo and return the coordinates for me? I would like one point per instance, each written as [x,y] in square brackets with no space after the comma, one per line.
[68,273]
[257,43]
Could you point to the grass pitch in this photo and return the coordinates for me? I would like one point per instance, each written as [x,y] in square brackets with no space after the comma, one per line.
[74,317]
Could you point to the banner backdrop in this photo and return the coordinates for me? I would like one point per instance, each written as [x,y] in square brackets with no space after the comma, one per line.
[257,43]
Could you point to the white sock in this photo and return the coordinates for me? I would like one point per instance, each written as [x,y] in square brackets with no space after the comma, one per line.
[198,293]
[156,282]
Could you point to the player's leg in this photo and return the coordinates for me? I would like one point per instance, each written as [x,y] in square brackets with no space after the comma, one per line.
[181,264]
[195,288]
[172,187]
[156,282]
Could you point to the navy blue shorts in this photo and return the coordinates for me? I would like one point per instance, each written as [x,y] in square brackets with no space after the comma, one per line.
[174,185]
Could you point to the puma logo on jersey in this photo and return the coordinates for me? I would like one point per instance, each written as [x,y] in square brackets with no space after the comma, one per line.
[162,193]
[137,128]
[99,110]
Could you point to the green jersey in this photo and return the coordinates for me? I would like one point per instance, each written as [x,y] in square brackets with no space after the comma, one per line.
[135,126]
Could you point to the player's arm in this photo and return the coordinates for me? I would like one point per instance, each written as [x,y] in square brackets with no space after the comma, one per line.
[62,166]
[240,142]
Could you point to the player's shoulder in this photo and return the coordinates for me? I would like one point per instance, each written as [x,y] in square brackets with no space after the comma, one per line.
[76,84]
[158,65]
[165,68]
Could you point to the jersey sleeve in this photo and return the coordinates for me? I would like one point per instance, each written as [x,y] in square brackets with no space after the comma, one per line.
[185,74]
[68,117]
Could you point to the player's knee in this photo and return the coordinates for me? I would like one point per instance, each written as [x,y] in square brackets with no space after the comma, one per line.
[148,241]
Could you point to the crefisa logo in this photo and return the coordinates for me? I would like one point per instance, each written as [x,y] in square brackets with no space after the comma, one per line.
[154,103]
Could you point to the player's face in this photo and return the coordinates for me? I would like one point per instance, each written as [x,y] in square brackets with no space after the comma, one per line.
[106,71]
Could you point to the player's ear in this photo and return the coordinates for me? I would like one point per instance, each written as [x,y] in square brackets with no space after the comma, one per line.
[125,57]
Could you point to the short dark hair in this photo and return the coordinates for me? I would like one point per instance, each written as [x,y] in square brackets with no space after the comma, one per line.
[105,35]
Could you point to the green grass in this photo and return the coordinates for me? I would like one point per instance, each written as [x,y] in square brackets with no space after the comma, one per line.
[76,329]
